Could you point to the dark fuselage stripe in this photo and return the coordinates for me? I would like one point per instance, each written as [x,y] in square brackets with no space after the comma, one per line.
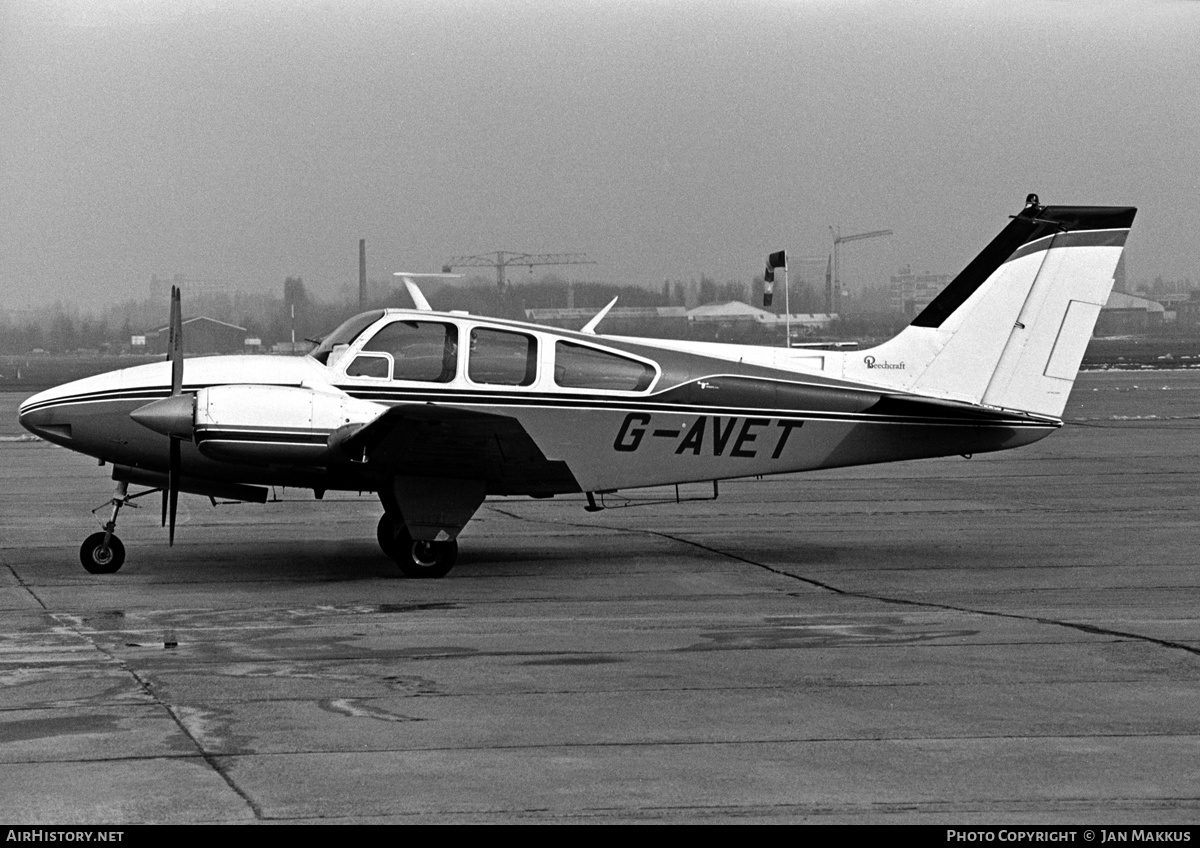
[99,397]
[401,397]
[606,403]
[320,438]
[250,434]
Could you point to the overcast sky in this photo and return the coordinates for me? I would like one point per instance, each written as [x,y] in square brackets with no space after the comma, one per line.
[250,141]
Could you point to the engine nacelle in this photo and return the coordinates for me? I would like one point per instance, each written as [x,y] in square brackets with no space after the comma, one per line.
[273,425]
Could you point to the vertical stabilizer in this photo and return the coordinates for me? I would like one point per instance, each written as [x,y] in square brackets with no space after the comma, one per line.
[1011,329]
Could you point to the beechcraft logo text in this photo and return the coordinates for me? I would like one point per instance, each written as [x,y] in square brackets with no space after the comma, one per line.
[872,362]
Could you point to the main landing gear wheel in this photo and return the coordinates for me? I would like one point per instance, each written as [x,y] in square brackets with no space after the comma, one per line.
[98,558]
[426,559]
[385,534]
[415,559]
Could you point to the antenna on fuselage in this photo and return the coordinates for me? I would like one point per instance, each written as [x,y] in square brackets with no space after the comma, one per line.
[590,326]
[414,291]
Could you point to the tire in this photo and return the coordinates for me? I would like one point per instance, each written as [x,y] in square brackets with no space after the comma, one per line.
[424,560]
[98,559]
[385,534]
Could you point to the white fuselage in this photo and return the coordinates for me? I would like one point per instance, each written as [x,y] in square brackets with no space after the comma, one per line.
[701,412]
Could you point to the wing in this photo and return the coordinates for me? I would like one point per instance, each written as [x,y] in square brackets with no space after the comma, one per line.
[429,440]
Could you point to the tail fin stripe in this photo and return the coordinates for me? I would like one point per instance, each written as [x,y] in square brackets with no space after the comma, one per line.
[1031,226]
[1018,232]
[1010,330]
[1078,238]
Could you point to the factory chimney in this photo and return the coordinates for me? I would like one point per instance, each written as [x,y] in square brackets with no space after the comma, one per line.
[362,273]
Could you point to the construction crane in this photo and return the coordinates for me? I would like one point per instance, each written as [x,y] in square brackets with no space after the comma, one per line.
[833,290]
[502,259]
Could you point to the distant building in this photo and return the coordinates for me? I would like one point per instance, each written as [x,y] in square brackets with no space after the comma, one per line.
[735,312]
[729,313]
[572,318]
[1188,311]
[1170,304]
[910,293]
[292,348]
[721,318]
[1126,314]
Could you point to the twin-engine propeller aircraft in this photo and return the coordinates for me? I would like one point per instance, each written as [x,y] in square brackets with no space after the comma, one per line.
[437,411]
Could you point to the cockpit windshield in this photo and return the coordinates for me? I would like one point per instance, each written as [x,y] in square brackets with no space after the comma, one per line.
[345,334]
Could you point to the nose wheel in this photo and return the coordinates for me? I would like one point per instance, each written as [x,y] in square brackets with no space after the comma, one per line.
[415,558]
[102,553]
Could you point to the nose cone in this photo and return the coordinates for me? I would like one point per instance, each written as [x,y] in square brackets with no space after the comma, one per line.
[172,416]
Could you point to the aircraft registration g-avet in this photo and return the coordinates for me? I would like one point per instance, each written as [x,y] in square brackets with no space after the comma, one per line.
[437,411]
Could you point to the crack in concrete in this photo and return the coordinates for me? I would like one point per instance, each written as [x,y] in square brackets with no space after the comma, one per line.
[64,623]
[28,589]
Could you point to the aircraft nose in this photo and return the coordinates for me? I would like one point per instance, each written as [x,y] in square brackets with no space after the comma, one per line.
[44,422]
[25,416]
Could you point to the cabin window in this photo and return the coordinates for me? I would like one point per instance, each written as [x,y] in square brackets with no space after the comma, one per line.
[580,367]
[502,358]
[424,351]
[376,365]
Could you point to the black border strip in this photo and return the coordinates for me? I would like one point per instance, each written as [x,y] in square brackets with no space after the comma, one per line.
[1033,223]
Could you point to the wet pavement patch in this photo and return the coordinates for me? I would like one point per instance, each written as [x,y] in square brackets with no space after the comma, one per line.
[792,633]
[23,730]
[388,608]
[597,659]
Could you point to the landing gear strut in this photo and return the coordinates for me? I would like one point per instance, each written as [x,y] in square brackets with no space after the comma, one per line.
[103,553]
[415,558]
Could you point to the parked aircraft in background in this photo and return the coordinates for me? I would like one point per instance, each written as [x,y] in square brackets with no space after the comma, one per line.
[437,411]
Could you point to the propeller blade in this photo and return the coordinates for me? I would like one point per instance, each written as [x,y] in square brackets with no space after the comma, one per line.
[175,340]
[171,415]
[162,419]
[173,487]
